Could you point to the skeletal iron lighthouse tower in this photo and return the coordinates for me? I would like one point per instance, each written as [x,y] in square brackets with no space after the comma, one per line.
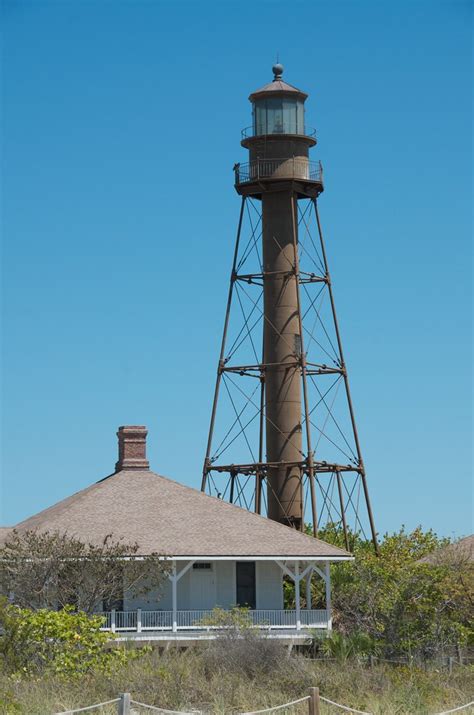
[283,438]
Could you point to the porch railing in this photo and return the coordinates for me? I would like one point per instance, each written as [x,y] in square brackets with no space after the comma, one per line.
[141,620]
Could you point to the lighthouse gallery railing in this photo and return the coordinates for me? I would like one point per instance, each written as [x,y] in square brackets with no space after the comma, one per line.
[295,168]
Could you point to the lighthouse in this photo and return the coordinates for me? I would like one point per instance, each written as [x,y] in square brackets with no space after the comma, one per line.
[286,462]
[279,147]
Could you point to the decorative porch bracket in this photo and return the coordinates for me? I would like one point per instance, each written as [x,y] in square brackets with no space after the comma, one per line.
[297,577]
[174,577]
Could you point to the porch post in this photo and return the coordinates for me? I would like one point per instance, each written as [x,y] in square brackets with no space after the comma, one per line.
[174,577]
[174,597]
[328,595]
[308,591]
[297,595]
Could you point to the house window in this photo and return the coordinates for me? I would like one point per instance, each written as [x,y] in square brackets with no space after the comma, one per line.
[203,565]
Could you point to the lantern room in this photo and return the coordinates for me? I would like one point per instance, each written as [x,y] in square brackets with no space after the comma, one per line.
[278,107]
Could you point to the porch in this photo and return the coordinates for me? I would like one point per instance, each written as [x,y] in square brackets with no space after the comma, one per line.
[195,587]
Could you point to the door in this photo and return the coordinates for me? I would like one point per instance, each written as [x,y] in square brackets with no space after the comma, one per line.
[202,586]
[245,583]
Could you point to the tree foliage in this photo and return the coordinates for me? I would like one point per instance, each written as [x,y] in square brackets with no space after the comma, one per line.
[54,570]
[59,642]
[407,605]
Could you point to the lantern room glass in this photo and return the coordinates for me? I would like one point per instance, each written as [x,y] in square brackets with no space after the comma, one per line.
[278,115]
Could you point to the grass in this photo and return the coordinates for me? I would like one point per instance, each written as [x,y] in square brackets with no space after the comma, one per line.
[237,677]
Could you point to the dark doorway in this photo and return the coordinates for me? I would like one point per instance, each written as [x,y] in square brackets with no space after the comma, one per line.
[245,579]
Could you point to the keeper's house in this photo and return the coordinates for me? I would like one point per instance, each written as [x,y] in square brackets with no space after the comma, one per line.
[222,555]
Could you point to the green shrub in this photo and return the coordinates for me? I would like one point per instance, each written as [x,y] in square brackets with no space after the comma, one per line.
[234,619]
[61,642]
[410,607]
[343,647]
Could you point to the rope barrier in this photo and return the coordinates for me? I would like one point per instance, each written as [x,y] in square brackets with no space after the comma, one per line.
[455,710]
[343,707]
[162,710]
[278,707]
[89,707]
[255,712]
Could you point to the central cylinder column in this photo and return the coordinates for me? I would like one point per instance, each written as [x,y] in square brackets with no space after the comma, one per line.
[282,349]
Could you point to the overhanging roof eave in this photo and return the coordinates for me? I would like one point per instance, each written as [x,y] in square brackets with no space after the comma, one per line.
[246,557]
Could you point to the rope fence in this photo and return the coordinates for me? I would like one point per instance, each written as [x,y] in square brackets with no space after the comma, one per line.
[162,710]
[278,707]
[343,707]
[458,709]
[89,707]
[124,703]
[314,699]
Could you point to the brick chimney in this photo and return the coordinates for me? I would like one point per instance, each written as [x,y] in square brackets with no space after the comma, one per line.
[132,448]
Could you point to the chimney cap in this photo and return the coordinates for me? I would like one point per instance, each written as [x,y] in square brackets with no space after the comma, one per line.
[132,447]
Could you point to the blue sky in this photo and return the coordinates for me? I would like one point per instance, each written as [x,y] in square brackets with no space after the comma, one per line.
[121,124]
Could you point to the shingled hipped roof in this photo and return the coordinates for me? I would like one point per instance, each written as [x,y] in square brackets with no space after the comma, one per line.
[166,517]
[458,553]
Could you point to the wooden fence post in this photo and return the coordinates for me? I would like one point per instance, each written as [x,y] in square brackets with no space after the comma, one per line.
[314,702]
[124,704]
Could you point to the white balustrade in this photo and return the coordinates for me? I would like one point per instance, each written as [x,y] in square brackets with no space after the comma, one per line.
[141,620]
[125,620]
[194,619]
[313,617]
[157,620]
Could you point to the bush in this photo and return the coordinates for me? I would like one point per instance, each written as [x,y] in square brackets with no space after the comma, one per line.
[234,620]
[61,642]
[356,645]
[411,607]
[248,652]
[240,648]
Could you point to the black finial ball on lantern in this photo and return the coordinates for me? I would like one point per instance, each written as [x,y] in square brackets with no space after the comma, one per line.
[277,71]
